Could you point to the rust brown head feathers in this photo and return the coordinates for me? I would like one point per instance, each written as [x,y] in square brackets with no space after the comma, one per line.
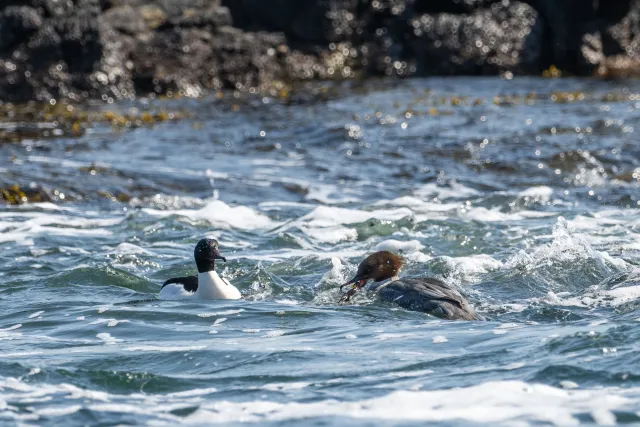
[380,266]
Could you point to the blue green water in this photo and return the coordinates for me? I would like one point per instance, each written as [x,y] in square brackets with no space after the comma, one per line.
[524,194]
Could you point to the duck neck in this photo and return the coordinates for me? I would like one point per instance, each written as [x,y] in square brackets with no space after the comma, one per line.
[212,286]
[376,287]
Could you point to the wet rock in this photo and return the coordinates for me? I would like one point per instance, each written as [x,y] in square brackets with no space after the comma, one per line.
[488,41]
[505,36]
[125,19]
[589,37]
[621,43]
[195,13]
[16,24]
[122,48]
[452,6]
[306,21]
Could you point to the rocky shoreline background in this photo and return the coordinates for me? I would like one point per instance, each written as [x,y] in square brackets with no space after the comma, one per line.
[119,49]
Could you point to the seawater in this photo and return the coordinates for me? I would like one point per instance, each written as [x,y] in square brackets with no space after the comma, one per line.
[524,194]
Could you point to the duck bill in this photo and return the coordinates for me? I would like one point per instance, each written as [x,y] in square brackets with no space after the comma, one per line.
[356,284]
[216,255]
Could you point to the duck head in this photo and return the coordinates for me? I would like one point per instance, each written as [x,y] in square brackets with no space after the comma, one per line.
[206,253]
[378,266]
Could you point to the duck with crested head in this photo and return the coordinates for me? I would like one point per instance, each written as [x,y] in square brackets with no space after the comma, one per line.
[425,294]
[207,284]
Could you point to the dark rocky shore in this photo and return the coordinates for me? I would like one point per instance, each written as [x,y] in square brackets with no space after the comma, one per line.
[114,49]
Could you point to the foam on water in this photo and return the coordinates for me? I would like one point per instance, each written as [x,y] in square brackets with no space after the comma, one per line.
[594,297]
[542,193]
[333,234]
[495,402]
[326,216]
[107,338]
[221,215]
[24,227]
[222,313]
[469,268]
[565,248]
[410,250]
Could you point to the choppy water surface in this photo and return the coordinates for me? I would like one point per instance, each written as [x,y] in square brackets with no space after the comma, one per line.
[525,198]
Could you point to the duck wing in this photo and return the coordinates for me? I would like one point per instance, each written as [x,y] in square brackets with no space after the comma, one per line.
[430,295]
[190,283]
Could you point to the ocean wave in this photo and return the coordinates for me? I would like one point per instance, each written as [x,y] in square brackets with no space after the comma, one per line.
[221,215]
[23,227]
[495,402]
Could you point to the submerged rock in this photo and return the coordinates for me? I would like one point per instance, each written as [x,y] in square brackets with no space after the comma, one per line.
[16,195]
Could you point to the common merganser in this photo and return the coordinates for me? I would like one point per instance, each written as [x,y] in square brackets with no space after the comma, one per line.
[425,294]
[207,284]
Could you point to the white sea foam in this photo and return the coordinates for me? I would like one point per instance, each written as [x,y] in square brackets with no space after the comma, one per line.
[328,216]
[542,193]
[595,297]
[110,322]
[500,402]
[285,301]
[328,224]
[337,273]
[125,248]
[10,333]
[566,247]
[408,374]
[60,411]
[36,314]
[333,234]
[107,338]
[354,251]
[221,215]
[469,268]
[399,246]
[439,339]
[23,227]
[410,249]
[428,209]
[482,214]
[388,336]
[222,313]
[165,202]
[509,325]
[193,393]
[568,385]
